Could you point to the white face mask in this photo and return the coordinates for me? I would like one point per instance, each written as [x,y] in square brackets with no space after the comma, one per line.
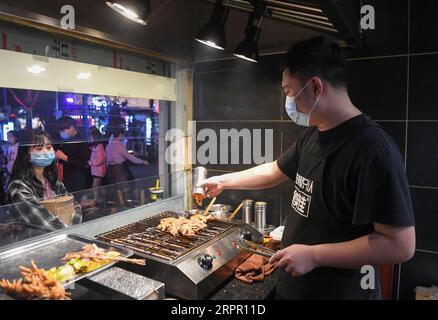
[299,118]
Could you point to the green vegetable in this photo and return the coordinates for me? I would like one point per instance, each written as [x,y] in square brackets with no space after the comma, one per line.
[63,273]
[74,266]
[84,266]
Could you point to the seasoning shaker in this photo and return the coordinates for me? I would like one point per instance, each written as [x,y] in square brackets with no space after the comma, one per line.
[260,215]
[247,211]
[199,175]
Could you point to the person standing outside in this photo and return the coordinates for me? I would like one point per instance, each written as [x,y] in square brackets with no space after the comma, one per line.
[73,153]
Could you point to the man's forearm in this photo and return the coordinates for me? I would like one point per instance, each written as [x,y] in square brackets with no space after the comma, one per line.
[260,177]
[373,249]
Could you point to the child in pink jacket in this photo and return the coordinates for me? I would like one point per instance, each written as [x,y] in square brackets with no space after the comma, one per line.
[97,160]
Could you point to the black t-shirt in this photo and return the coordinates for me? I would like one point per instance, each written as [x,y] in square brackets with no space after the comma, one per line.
[345,179]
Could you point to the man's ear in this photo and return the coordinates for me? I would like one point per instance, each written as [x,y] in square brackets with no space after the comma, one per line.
[317,85]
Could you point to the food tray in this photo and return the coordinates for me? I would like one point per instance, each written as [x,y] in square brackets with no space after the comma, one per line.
[48,254]
[130,284]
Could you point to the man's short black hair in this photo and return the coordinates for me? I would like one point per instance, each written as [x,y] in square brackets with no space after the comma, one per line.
[65,122]
[118,131]
[14,133]
[317,56]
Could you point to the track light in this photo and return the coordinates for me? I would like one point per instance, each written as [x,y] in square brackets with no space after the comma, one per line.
[213,32]
[138,11]
[248,49]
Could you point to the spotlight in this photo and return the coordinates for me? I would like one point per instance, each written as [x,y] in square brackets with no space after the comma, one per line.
[213,32]
[248,49]
[136,10]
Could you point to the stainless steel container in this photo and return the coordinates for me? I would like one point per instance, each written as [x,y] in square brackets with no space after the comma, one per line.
[260,215]
[221,207]
[221,211]
[247,211]
[199,174]
[192,212]
[130,284]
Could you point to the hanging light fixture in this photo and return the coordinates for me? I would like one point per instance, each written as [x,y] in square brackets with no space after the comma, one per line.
[248,49]
[138,11]
[213,32]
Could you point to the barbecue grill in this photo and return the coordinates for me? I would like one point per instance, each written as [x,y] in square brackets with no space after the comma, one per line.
[190,267]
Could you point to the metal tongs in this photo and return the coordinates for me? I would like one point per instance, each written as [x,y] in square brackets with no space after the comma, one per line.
[254,248]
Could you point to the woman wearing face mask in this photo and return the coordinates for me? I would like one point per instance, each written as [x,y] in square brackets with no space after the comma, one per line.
[35,177]
[117,155]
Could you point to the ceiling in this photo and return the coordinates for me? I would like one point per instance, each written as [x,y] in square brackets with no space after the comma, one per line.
[172,26]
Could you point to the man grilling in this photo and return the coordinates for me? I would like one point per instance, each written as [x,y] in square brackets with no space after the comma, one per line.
[350,205]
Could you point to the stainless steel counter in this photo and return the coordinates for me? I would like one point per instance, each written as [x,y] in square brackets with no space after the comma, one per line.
[91,229]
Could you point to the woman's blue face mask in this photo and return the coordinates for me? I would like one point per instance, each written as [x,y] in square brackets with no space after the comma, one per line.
[42,159]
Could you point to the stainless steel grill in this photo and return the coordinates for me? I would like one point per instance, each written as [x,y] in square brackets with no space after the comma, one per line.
[144,237]
[190,267]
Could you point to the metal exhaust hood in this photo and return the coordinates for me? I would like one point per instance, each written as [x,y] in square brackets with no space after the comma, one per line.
[334,17]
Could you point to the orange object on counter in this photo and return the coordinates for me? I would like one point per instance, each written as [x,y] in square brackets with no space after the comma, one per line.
[267,239]
[256,267]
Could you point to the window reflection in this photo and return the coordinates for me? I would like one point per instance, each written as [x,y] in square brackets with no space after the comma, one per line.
[113,199]
[70,158]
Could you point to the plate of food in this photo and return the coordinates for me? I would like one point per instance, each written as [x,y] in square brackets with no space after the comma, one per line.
[35,283]
[58,260]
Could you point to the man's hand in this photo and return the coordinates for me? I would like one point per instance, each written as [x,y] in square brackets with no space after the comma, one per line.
[296,259]
[213,186]
[386,245]
[61,155]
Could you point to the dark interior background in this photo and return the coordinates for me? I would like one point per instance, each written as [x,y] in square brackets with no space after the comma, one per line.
[171,29]
[392,78]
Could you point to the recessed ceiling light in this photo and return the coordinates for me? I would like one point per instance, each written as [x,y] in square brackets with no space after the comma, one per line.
[36,69]
[84,75]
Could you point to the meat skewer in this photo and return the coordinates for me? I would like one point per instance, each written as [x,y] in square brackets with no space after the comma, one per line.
[93,252]
[184,226]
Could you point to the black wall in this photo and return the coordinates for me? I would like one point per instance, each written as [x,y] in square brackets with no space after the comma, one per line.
[237,94]
[393,78]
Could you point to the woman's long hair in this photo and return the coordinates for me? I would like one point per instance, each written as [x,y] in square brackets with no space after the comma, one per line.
[22,168]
